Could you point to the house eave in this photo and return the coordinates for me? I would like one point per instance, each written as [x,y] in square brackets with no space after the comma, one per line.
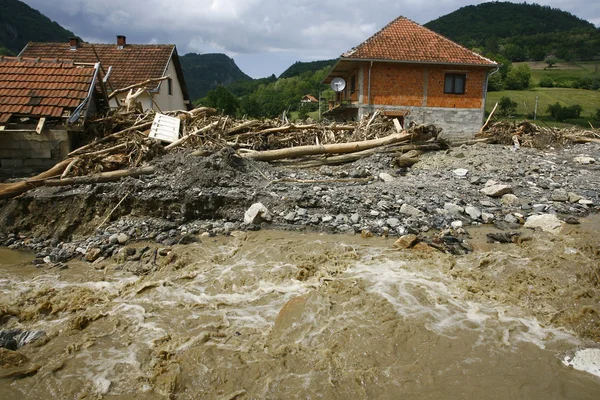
[341,60]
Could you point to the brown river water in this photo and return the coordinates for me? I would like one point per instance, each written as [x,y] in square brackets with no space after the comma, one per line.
[279,315]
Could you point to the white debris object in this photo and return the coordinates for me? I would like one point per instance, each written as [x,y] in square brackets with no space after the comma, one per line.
[165,128]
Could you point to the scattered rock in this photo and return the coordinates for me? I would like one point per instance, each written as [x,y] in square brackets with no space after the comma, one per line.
[585,160]
[386,177]
[573,197]
[257,214]
[461,172]
[453,209]
[546,222]
[410,210]
[510,200]
[560,195]
[406,241]
[473,212]
[456,224]
[290,217]
[503,237]
[496,190]
[487,218]
[93,254]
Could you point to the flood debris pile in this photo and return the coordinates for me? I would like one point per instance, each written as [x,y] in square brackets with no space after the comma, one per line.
[120,144]
[528,134]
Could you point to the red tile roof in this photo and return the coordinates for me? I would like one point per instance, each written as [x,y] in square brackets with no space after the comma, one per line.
[134,63]
[405,40]
[41,88]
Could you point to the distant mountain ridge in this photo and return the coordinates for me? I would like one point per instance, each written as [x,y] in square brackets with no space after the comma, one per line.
[20,24]
[299,67]
[204,72]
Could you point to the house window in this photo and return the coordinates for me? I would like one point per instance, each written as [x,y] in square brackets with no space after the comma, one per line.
[455,83]
[353,84]
[170,86]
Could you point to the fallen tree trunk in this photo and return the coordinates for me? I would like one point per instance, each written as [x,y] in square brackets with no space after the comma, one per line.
[186,137]
[581,139]
[300,151]
[100,178]
[14,189]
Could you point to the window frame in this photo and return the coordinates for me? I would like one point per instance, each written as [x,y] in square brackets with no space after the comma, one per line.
[170,86]
[453,76]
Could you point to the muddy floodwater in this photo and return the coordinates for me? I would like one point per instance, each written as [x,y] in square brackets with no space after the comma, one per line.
[276,315]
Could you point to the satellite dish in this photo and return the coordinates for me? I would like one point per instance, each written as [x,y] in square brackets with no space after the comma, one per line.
[338,84]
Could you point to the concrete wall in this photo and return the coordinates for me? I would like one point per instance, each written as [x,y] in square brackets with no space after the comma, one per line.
[25,153]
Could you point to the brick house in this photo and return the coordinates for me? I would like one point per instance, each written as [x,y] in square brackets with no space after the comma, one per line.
[408,71]
[125,65]
[43,104]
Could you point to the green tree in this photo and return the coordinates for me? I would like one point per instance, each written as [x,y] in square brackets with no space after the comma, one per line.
[506,107]
[551,60]
[495,82]
[222,100]
[518,78]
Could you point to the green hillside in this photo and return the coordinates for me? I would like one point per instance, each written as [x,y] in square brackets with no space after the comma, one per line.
[204,72]
[520,31]
[298,68]
[20,24]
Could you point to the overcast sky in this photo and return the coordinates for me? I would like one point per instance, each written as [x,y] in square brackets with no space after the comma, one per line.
[264,37]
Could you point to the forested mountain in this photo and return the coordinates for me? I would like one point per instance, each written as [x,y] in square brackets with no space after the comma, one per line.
[20,24]
[298,68]
[204,72]
[520,31]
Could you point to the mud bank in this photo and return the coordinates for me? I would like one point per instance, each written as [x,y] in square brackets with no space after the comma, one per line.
[288,315]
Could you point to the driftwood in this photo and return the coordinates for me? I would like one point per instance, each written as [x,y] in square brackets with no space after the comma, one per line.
[9,190]
[83,149]
[300,151]
[350,157]
[487,121]
[186,137]
[137,85]
[100,178]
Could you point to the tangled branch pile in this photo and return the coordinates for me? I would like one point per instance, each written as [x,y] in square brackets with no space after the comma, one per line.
[119,144]
[527,134]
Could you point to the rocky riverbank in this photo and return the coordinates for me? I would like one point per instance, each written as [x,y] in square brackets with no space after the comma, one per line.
[190,197]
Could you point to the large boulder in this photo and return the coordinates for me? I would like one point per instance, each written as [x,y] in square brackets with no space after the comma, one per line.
[256,214]
[545,222]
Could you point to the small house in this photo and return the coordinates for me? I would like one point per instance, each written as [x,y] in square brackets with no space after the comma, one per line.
[410,72]
[125,65]
[43,106]
[309,99]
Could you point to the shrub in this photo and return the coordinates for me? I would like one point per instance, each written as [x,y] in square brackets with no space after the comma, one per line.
[506,106]
[546,82]
[551,60]
[560,113]
[518,78]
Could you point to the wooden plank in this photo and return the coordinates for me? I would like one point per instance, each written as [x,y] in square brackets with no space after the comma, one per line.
[40,125]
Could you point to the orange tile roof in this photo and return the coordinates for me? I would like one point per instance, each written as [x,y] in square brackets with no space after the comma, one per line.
[405,40]
[41,88]
[132,64]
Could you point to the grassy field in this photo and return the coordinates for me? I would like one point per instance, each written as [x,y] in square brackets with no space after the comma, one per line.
[562,72]
[589,100]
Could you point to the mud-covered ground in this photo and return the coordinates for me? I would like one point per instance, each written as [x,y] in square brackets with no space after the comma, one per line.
[209,195]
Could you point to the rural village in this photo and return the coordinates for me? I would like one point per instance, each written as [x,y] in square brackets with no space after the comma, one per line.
[115,186]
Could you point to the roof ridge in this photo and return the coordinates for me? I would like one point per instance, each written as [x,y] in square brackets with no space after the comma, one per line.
[403,39]
[373,36]
[37,59]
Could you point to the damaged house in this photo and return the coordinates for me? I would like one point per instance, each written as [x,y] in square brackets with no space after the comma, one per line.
[126,65]
[410,72]
[43,106]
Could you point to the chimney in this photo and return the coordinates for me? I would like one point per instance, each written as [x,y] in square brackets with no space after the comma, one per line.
[121,41]
[74,43]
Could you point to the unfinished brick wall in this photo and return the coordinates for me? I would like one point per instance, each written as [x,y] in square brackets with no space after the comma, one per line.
[473,96]
[24,153]
[397,84]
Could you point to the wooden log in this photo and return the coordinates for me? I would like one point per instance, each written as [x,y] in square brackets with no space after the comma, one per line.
[295,152]
[114,149]
[242,127]
[100,178]
[115,135]
[14,189]
[137,85]
[581,139]
[488,118]
[186,137]
[345,158]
